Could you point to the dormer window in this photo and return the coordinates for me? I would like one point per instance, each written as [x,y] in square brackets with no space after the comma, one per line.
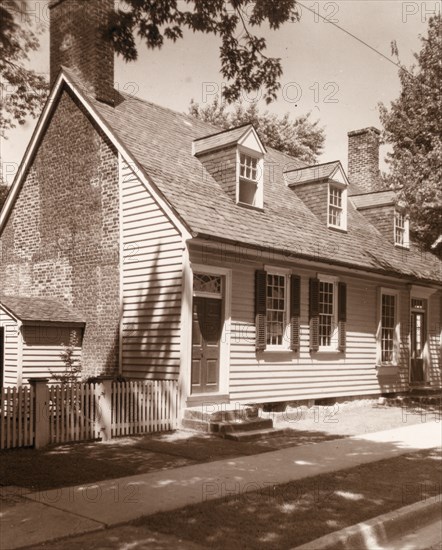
[249,180]
[401,230]
[337,207]
[235,160]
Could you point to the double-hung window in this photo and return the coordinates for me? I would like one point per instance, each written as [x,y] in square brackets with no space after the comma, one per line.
[401,229]
[327,314]
[327,306]
[276,316]
[337,207]
[388,332]
[250,180]
[277,309]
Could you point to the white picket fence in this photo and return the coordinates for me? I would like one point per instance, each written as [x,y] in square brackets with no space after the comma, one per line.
[16,417]
[74,413]
[53,414]
[143,407]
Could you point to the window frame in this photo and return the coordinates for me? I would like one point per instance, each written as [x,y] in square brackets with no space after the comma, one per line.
[343,189]
[334,337]
[283,272]
[405,229]
[383,291]
[259,201]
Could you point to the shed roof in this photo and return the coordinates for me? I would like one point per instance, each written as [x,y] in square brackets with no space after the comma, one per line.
[48,310]
[374,200]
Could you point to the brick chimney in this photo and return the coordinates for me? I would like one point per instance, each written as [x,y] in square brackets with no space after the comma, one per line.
[363,158]
[77,42]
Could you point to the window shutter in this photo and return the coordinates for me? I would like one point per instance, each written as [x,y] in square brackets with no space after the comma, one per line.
[260,309]
[314,314]
[342,315]
[295,311]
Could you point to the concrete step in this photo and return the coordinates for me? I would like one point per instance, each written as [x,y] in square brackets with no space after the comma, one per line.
[245,426]
[226,415]
[196,425]
[254,435]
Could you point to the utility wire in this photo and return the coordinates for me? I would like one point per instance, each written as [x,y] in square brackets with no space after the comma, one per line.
[357,38]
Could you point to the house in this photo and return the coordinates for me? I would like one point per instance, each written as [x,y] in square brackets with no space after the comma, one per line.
[179,251]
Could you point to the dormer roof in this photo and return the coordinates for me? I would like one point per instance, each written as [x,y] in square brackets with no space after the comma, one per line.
[374,199]
[329,171]
[244,135]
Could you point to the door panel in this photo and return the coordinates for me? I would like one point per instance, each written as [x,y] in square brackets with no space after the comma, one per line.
[418,340]
[2,355]
[206,335]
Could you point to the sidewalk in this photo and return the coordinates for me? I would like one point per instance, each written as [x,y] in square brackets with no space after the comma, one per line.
[41,516]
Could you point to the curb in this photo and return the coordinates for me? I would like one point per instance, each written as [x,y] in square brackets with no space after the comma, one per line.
[380,529]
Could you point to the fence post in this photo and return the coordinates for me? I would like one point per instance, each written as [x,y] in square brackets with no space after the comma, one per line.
[105,404]
[41,412]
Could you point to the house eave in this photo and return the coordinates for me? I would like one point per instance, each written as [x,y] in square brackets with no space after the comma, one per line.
[285,255]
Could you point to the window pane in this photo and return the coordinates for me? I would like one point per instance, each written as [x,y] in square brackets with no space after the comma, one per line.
[387,327]
[399,228]
[248,167]
[207,283]
[335,207]
[326,313]
[276,315]
[247,192]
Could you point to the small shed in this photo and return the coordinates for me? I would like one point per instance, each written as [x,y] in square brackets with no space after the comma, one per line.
[33,333]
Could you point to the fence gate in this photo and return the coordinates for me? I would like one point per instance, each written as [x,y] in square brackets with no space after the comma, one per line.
[17,417]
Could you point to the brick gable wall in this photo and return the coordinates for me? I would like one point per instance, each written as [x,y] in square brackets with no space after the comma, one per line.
[62,238]
[315,196]
[221,165]
[382,218]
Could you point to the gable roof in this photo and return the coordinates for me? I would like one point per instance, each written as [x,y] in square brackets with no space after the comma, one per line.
[45,310]
[316,172]
[159,142]
[225,139]
[374,199]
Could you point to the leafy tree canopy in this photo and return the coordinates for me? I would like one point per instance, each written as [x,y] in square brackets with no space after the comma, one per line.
[243,61]
[22,90]
[413,126]
[3,193]
[301,138]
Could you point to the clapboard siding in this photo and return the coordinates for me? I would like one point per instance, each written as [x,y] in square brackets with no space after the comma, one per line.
[434,368]
[151,284]
[276,376]
[11,350]
[42,348]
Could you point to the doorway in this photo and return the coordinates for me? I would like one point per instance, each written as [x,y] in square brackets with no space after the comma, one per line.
[418,340]
[207,327]
[2,356]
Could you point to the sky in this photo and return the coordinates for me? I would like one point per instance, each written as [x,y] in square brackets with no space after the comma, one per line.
[326,72]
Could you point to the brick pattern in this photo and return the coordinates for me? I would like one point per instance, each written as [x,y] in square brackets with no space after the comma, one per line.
[62,238]
[76,41]
[363,158]
[221,165]
[315,196]
[382,218]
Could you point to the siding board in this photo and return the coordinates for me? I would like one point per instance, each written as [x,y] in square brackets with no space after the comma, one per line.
[270,377]
[11,350]
[151,284]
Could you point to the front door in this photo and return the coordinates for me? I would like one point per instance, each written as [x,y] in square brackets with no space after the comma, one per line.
[418,341]
[206,338]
